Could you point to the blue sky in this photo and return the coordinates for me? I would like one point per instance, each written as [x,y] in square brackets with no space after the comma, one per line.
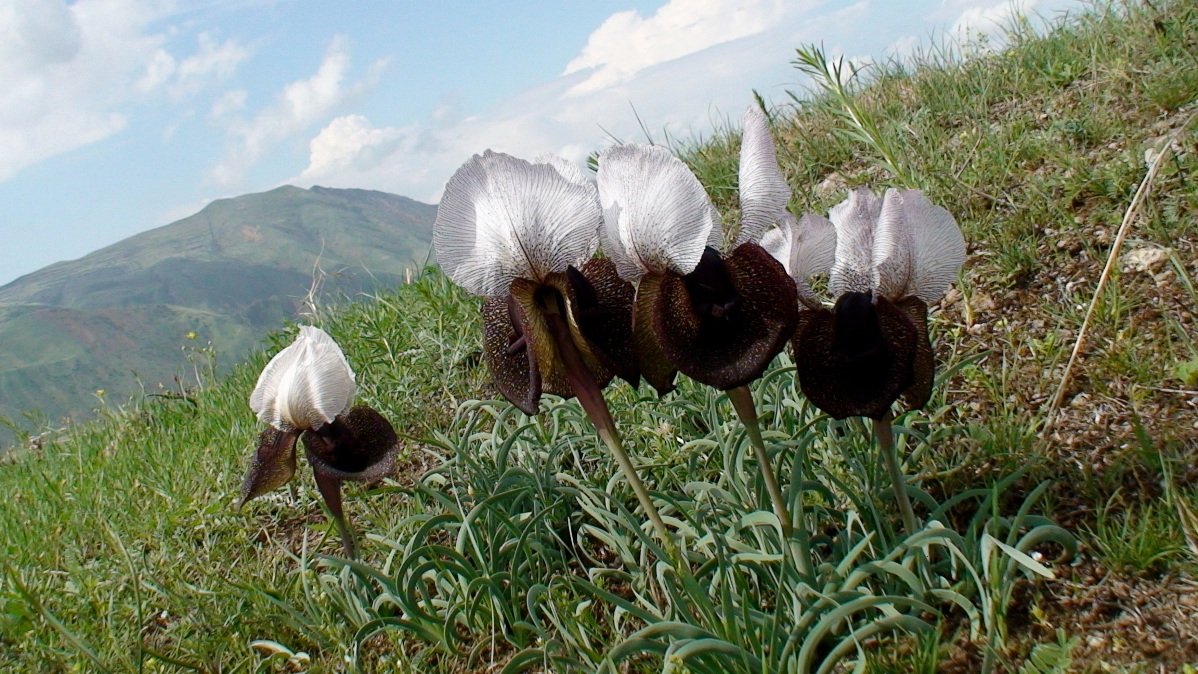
[117,116]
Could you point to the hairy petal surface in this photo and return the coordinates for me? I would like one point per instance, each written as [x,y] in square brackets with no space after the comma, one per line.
[854,220]
[856,359]
[656,215]
[763,191]
[723,323]
[503,218]
[305,385]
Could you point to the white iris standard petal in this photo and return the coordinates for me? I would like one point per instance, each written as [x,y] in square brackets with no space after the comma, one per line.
[763,191]
[892,249]
[656,215]
[305,385]
[805,248]
[854,220]
[937,246]
[503,218]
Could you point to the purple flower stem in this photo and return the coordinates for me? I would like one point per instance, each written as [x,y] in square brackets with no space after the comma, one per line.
[330,489]
[591,397]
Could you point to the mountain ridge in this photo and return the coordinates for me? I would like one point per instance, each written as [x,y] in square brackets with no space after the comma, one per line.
[131,314]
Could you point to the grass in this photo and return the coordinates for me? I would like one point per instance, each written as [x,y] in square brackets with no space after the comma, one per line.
[505,541]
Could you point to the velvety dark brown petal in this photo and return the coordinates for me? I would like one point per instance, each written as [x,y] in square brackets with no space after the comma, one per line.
[924,364]
[273,465]
[856,359]
[601,308]
[655,367]
[533,299]
[513,365]
[724,322]
[359,445]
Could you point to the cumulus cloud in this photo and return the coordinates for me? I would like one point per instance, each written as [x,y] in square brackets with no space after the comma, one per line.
[681,97]
[992,19]
[300,105]
[627,43]
[349,143]
[71,72]
[673,96]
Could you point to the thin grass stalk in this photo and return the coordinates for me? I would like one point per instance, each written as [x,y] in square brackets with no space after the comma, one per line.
[1129,217]
[884,432]
[582,382]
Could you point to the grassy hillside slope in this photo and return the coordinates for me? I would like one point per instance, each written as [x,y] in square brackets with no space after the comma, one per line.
[126,318]
[121,550]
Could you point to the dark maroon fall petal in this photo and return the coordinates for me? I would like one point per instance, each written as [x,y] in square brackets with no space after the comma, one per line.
[856,359]
[924,365]
[273,464]
[357,446]
[601,306]
[656,368]
[513,366]
[330,491]
[724,322]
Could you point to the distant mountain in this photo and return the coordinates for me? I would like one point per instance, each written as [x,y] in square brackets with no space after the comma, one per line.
[129,315]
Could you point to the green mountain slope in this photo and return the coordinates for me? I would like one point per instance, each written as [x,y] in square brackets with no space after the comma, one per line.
[129,316]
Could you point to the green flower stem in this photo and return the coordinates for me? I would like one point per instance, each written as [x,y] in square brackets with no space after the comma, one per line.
[742,402]
[591,397]
[885,435]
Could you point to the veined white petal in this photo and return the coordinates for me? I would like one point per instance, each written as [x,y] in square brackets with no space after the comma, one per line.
[893,255]
[937,247]
[814,249]
[854,220]
[656,214]
[805,248]
[567,168]
[502,218]
[763,191]
[305,385]
[779,241]
[715,236]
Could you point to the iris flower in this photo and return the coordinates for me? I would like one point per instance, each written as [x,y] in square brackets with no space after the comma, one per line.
[887,258]
[522,235]
[306,392]
[718,318]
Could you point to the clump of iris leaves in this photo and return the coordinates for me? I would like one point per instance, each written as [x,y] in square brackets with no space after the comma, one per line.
[777,531]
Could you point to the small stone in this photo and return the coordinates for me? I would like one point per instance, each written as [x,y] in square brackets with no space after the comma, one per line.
[833,184]
[982,302]
[1147,259]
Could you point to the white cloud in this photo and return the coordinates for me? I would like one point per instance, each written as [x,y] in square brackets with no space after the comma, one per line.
[228,103]
[71,72]
[349,144]
[627,43]
[297,107]
[992,19]
[686,96]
